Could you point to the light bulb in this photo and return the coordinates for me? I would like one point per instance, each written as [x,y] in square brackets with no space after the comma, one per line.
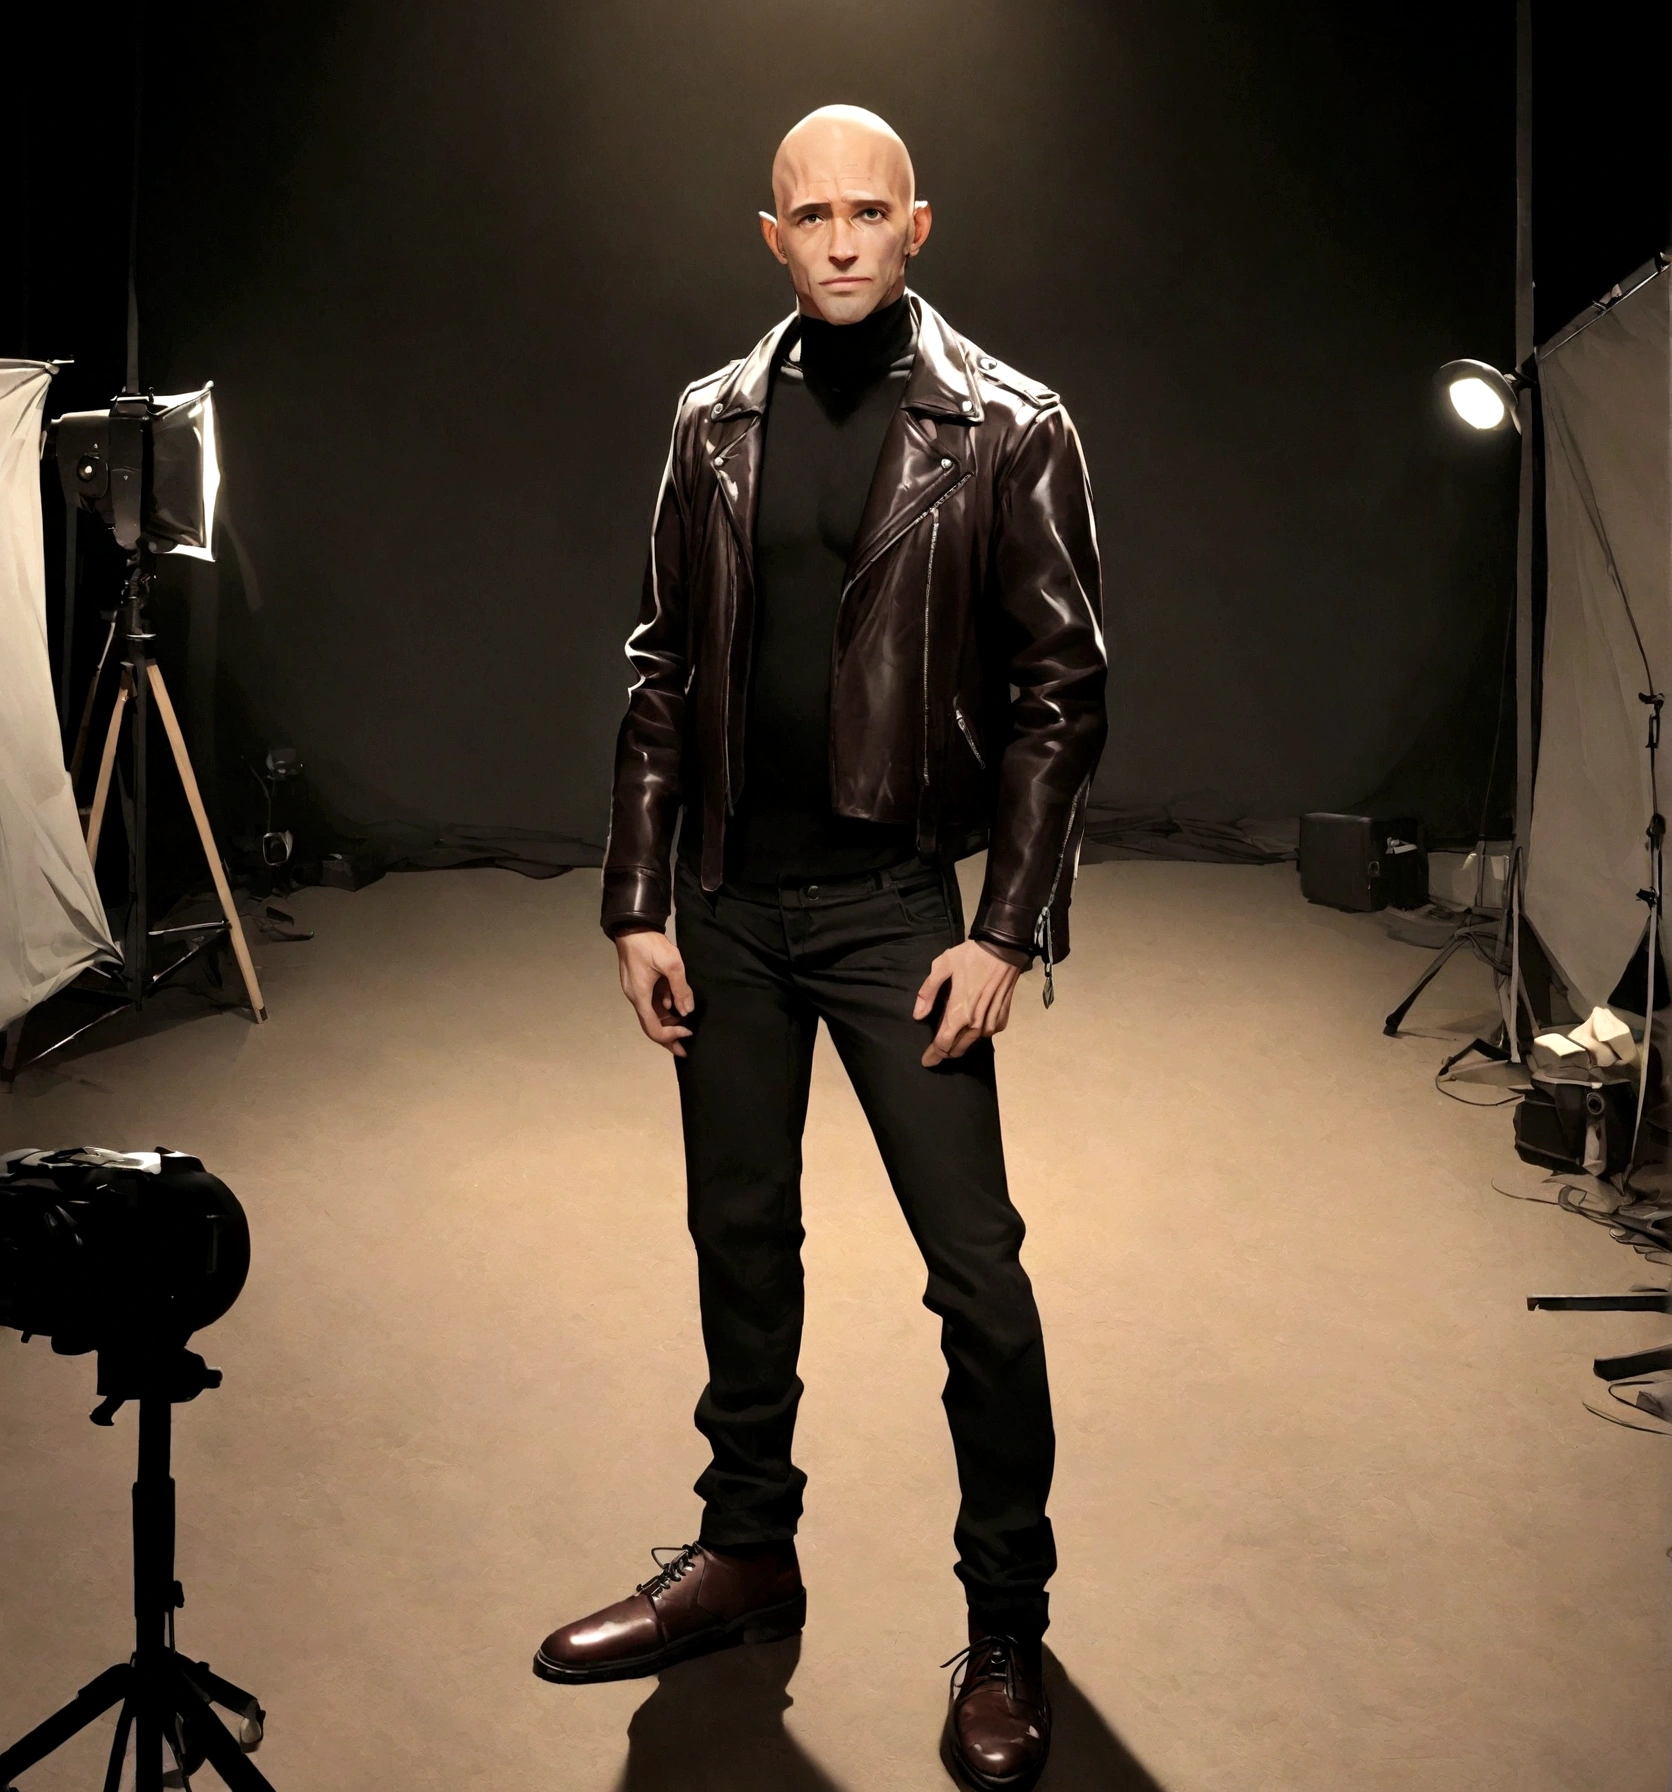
[1479,404]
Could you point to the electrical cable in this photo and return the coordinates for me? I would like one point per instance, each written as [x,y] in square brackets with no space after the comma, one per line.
[1627,1424]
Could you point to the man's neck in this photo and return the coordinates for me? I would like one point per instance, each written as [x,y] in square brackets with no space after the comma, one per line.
[841,361]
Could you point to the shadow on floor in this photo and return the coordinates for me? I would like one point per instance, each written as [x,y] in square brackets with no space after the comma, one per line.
[1086,1755]
[717,1725]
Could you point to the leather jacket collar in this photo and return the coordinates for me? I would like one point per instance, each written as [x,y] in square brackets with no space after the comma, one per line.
[920,463]
[941,382]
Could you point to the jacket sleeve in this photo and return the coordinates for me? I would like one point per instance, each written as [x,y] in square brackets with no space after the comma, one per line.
[1050,595]
[644,804]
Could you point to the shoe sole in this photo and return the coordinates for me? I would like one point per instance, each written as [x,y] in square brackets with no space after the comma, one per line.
[771,1624]
[965,1775]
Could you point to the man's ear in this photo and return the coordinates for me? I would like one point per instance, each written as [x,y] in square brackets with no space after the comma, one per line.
[921,220]
[769,231]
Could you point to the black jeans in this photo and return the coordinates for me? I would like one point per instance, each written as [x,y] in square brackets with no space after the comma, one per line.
[766,965]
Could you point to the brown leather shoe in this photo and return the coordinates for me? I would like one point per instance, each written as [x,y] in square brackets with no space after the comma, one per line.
[998,1724]
[701,1600]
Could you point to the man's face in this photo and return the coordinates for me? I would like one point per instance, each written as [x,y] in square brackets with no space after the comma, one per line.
[847,222]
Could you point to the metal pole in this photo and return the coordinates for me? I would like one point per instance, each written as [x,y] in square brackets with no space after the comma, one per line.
[138,635]
[66,658]
[153,1587]
[1526,407]
[133,197]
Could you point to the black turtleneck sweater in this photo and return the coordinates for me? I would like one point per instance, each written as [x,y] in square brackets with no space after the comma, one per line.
[834,391]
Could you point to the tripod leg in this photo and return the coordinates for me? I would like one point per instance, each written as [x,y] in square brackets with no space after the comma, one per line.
[92,1702]
[1391,1025]
[119,1749]
[148,1743]
[182,761]
[87,709]
[107,760]
[210,1734]
[219,1691]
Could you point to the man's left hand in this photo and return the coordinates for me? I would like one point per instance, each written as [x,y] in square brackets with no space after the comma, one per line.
[977,1003]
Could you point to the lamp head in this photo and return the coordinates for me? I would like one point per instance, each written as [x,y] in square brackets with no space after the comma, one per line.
[1480,395]
[150,467]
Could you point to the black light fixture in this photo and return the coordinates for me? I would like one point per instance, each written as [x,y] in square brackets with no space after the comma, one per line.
[1480,395]
[150,467]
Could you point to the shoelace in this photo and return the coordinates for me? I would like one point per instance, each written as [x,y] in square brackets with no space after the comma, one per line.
[683,1554]
[992,1658]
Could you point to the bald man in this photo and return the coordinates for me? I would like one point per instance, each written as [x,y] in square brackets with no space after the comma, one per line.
[869,645]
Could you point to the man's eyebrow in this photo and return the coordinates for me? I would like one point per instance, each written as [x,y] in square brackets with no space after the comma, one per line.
[865,201]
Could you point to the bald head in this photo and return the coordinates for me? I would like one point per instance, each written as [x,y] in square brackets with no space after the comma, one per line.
[838,139]
[848,215]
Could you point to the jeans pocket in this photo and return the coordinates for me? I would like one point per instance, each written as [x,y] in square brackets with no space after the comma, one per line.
[923,907]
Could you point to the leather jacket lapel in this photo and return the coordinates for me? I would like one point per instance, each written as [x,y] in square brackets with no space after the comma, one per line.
[921,461]
[734,455]
[735,437]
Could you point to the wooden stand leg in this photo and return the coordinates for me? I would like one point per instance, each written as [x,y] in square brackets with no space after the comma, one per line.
[101,791]
[194,798]
[87,709]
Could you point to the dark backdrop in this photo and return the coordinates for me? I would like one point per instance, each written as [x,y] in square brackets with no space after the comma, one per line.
[449,267]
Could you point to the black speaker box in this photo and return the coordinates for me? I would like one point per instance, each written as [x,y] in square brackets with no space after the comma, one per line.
[1363,862]
[1553,1119]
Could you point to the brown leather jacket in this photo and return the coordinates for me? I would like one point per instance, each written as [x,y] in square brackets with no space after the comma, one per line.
[975,576]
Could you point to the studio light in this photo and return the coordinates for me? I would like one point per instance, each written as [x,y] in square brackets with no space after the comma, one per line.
[149,466]
[149,469]
[1479,394]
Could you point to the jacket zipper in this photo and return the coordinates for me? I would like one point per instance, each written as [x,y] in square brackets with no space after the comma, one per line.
[717,461]
[928,588]
[853,579]
[1042,927]
[968,733]
[904,530]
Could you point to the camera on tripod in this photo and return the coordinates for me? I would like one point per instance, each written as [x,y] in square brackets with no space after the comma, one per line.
[126,1254]
[123,1253]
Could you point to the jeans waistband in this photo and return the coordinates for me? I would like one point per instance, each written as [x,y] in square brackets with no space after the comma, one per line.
[808,892]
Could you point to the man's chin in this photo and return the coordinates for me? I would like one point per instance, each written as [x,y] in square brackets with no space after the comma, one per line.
[847,305]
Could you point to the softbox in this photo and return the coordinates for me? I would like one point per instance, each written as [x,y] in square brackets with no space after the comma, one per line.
[52,923]
[1608,631]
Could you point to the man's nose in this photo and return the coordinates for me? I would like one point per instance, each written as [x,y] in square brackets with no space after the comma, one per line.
[843,248]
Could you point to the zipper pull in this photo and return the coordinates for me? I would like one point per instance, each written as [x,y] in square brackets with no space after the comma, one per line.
[1042,945]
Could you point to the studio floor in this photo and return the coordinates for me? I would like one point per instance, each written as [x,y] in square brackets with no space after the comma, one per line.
[1331,1513]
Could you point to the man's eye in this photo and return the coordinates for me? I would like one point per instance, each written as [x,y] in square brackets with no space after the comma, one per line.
[871,211]
[812,218]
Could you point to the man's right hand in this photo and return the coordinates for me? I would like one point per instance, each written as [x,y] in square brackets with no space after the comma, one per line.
[653,980]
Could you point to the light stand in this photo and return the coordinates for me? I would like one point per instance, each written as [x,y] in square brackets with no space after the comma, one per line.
[150,469]
[1480,931]
[142,680]
[1486,399]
